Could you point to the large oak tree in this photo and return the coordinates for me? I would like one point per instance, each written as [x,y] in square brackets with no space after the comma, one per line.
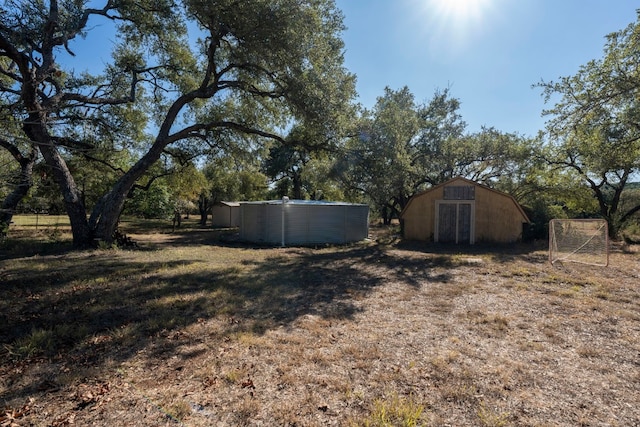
[594,127]
[184,75]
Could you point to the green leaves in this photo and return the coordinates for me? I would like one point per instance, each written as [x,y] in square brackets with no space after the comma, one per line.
[405,147]
[186,76]
[389,159]
[594,128]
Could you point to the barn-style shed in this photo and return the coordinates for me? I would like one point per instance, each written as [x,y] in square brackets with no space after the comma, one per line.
[463,211]
[226,214]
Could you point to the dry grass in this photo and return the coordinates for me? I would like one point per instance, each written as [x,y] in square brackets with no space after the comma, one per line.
[195,330]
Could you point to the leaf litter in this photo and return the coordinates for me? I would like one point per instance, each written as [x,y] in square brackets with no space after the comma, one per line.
[493,337]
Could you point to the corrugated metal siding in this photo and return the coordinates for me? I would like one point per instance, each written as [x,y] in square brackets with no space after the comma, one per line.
[257,223]
[356,223]
[304,223]
[226,215]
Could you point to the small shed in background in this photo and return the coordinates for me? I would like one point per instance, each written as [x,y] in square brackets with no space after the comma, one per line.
[226,214]
[463,211]
[303,222]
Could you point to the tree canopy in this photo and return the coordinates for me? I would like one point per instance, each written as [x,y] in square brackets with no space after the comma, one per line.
[185,76]
[594,128]
[259,89]
[404,147]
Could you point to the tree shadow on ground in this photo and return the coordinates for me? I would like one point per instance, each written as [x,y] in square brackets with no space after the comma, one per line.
[187,237]
[85,309]
[73,310]
[14,248]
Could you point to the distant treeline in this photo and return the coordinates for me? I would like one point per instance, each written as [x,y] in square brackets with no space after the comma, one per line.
[633,186]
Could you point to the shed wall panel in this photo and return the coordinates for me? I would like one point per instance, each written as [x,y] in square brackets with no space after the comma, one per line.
[498,218]
[419,221]
[356,223]
[225,215]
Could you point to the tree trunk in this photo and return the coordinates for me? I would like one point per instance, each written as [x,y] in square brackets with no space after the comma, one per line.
[106,213]
[177,221]
[203,208]
[386,217]
[297,187]
[24,183]
[82,235]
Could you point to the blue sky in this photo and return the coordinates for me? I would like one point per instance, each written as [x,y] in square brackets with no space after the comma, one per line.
[488,52]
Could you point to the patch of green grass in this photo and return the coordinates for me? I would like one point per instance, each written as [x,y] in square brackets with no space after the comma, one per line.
[37,342]
[568,292]
[394,411]
[235,376]
[516,272]
[588,351]
[40,221]
[491,322]
[602,292]
[459,392]
[46,341]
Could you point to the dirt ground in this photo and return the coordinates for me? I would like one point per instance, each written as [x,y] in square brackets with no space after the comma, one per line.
[189,330]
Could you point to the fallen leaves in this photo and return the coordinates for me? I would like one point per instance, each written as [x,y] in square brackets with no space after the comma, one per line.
[468,343]
[248,384]
[9,417]
[88,395]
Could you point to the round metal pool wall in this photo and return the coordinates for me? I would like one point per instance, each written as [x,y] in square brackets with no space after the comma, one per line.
[303,222]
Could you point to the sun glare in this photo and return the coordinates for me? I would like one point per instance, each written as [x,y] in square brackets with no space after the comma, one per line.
[454,24]
[460,10]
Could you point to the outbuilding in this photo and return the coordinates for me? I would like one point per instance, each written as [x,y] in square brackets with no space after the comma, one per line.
[303,222]
[226,214]
[465,212]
